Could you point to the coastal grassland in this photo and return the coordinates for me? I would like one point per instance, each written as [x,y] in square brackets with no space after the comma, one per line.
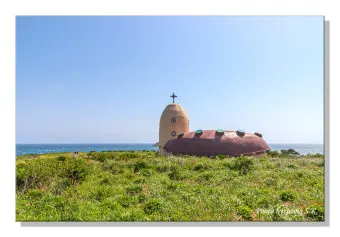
[142,186]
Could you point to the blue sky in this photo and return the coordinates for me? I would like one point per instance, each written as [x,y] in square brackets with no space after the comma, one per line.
[108,79]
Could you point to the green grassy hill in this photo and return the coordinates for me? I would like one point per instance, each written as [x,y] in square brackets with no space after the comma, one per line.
[142,186]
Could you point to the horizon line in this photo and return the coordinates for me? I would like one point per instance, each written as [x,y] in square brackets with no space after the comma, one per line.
[76,143]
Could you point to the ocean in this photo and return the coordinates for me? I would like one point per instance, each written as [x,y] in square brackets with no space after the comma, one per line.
[22,149]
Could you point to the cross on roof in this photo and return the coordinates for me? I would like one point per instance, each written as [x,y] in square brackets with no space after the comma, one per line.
[173,96]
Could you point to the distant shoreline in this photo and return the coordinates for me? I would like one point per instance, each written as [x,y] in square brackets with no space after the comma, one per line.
[126,143]
[23,149]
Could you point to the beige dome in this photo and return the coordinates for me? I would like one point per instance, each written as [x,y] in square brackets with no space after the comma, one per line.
[173,121]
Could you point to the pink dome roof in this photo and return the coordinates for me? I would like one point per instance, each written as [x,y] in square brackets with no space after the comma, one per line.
[210,143]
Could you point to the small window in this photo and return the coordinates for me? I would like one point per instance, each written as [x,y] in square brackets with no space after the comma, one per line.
[173,120]
[173,133]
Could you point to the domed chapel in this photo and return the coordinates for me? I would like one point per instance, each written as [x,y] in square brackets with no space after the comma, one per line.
[175,137]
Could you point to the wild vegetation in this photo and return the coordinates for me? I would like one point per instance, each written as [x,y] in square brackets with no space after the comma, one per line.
[142,186]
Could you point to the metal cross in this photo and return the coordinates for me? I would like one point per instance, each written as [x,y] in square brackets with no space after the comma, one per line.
[173,96]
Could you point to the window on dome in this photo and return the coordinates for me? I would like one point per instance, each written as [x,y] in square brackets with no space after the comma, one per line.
[173,120]
[241,133]
[258,134]
[173,133]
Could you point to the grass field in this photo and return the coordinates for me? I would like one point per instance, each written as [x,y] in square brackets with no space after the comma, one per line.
[142,186]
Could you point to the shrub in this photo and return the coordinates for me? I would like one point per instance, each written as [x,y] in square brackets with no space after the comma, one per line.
[35,193]
[66,182]
[172,186]
[319,164]
[298,174]
[221,157]
[139,181]
[316,212]
[146,172]
[105,181]
[61,158]
[289,152]
[139,165]
[127,201]
[45,207]
[317,155]
[273,154]
[205,177]
[293,152]
[90,154]
[45,172]
[162,168]
[270,181]
[128,155]
[113,167]
[61,186]
[100,195]
[102,156]
[141,198]
[201,166]
[77,170]
[176,175]
[152,206]
[242,164]
[193,189]
[263,202]
[245,212]
[287,196]
[110,205]
[133,190]
[21,175]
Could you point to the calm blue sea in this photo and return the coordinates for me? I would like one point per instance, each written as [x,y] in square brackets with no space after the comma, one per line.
[22,149]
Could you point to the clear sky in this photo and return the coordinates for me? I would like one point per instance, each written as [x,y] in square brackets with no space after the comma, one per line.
[108,79]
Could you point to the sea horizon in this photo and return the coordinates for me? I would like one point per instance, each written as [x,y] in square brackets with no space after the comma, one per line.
[45,148]
[142,143]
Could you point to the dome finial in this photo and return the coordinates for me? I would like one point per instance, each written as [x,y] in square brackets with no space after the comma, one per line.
[173,96]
